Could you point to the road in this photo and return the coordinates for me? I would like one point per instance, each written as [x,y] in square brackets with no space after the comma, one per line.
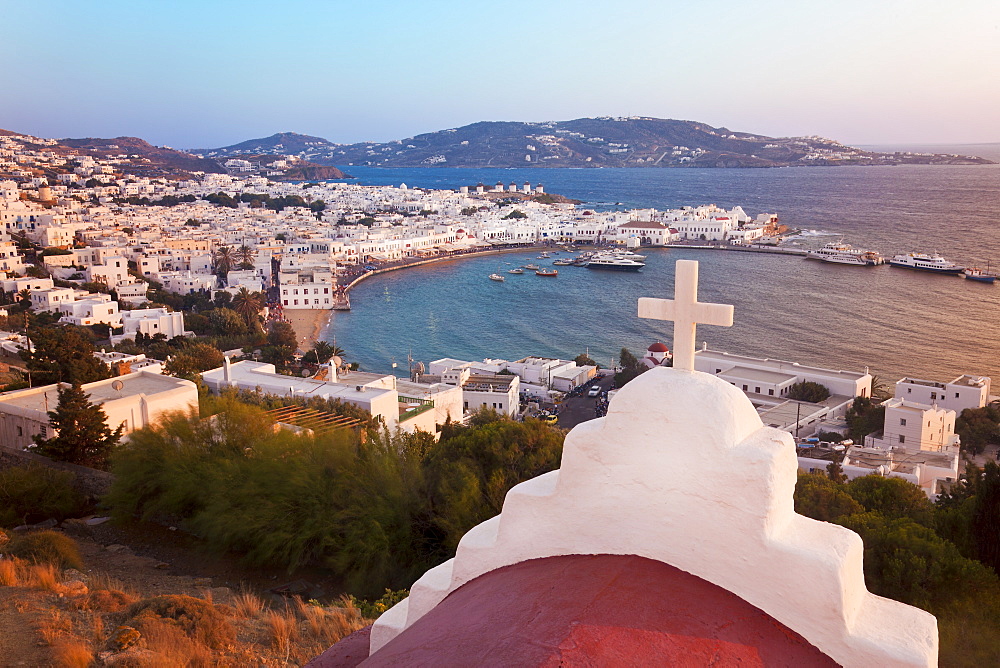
[575,410]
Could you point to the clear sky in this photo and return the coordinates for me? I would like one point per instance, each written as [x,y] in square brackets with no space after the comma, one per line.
[214,72]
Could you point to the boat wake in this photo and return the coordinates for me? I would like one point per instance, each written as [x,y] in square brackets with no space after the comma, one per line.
[805,234]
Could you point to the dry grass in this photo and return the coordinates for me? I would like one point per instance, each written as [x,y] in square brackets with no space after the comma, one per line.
[72,654]
[43,576]
[10,575]
[100,581]
[247,605]
[324,627]
[55,626]
[284,629]
[171,646]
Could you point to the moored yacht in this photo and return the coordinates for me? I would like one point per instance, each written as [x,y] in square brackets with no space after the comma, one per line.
[924,262]
[614,263]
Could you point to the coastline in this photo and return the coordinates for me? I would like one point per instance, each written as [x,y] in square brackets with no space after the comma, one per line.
[308,325]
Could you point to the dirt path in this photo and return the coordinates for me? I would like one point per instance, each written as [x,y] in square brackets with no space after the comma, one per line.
[19,638]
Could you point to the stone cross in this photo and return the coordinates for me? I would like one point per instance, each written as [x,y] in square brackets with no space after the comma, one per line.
[686,312]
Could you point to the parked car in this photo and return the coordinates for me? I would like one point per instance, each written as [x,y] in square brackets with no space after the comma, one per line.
[594,391]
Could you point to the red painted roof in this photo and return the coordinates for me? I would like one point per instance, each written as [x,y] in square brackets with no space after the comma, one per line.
[658,348]
[596,610]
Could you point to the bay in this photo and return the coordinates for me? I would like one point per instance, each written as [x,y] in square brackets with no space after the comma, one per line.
[896,322]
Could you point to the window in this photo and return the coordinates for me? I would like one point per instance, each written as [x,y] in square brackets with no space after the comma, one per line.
[756,390]
[286,302]
[933,396]
[902,422]
[296,303]
[909,389]
[771,392]
[956,395]
[718,371]
[744,388]
[902,438]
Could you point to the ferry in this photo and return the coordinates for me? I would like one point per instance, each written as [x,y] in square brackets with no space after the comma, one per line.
[839,253]
[924,262]
[614,263]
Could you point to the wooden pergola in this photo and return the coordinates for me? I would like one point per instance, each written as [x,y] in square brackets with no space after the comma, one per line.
[309,418]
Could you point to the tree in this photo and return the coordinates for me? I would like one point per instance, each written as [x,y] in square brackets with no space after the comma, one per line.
[223,258]
[865,416]
[584,360]
[248,305]
[807,390]
[193,359]
[630,367]
[880,390]
[978,427]
[62,354]
[819,497]
[891,498]
[227,322]
[82,433]
[470,471]
[321,353]
[515,214]
[245,255]
[282,334]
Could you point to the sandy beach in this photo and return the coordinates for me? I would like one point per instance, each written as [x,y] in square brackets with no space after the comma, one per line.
[308,324]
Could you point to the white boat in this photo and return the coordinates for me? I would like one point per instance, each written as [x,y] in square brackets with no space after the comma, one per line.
[531,267]
[515,270]
[924,262]
[838,253]
[496,277]
[562,263]
[614,263]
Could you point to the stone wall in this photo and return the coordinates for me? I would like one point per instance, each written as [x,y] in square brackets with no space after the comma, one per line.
[92,483]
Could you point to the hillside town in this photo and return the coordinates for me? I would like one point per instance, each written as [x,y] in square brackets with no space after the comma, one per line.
[86,242]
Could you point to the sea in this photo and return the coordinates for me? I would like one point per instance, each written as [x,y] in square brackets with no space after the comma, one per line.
[894,322]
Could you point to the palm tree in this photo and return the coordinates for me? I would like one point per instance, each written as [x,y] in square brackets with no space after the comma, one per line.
[245,255]
[321,353]
[248,304]
[223,259]
[880,390]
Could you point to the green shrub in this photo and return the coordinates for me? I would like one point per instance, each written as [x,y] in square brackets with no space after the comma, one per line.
[34,493]
[48,547]
[808,391]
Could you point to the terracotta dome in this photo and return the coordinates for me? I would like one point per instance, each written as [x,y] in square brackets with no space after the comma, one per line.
[658,348]
[587,610]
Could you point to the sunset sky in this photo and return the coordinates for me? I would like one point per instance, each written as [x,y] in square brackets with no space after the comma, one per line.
[215,72]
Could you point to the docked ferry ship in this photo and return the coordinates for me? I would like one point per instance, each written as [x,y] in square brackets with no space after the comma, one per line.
[846,254]
[924,262]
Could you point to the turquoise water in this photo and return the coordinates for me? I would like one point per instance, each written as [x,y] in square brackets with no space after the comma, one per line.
[895,321]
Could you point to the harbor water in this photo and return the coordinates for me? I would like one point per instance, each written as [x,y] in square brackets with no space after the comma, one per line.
[895,321]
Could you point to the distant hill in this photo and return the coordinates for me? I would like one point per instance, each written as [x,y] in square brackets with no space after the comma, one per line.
[282,143]
[585,142]
[162,160]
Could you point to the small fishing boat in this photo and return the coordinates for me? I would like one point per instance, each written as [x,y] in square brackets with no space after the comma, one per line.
[496,277]
[532,267]
[562,263]
[980,276]
[546,272]
[515,270]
